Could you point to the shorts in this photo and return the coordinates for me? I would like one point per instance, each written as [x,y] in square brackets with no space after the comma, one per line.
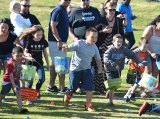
[138,77]
[6,88]
[112,74]
[5,57]
[83,78]
[54,50]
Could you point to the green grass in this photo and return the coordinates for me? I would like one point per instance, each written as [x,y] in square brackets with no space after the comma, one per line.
[145,12]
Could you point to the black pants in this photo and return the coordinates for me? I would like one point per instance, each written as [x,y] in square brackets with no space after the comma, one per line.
[131,40]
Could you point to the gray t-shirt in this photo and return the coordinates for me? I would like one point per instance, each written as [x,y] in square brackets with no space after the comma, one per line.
[82,55]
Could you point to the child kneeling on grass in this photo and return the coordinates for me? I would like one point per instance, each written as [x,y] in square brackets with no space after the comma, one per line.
[114,60]
[80,68]
[11,77]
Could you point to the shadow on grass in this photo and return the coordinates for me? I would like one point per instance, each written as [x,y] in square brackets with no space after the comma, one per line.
[76,108]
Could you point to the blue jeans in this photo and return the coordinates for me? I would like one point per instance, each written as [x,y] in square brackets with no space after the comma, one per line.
[5,57]
[6,88]
[131,40]
[154,108]
[84,77]
[41,78]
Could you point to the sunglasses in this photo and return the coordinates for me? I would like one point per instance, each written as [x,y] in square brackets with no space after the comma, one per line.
[26,6]
[112,10]
[85,0]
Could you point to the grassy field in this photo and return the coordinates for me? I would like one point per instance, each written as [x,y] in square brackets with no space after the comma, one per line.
[145,12]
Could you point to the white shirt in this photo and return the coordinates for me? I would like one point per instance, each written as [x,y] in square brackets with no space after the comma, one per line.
[19,23]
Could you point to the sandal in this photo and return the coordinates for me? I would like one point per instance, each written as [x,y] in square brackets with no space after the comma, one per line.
[89,107]
[67,98]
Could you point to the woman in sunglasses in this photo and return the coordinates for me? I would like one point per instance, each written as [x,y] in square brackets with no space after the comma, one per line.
[109,26]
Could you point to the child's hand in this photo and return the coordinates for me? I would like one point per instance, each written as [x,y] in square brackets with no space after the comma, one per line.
[141,65]
[117,67]
[64,47]
[130,62]
[15,88]
[27,54]
[31,59]
[154,55]
[59,45]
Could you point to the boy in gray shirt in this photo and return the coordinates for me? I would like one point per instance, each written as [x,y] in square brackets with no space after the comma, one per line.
[80,67]
[114,60]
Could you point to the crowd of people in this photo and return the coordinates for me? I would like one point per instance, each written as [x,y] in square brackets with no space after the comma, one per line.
[99,50]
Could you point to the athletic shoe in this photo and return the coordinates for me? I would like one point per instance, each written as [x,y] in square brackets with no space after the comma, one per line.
[53,89]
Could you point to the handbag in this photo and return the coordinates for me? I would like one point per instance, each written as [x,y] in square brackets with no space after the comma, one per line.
[28,72]
[29,94]
[131,76]
[113,83]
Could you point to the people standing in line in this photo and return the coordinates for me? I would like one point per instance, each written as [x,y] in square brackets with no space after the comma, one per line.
[114,60]
[152,34]
[58,33]
[25,12]
[19,22]
[108,26]
[7,41]
[80,68]
[35,46]
[125,8]
[81,19]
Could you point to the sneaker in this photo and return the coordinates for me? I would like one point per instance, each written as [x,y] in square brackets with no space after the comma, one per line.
[143,109]
[126,99]
[53,89]
[23,111]
[89,107]
[133,97]
[67,98]
[143,94]
[29,103]
[152,95]
[62,91]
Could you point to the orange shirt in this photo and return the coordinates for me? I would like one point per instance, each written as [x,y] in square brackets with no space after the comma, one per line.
[142,57]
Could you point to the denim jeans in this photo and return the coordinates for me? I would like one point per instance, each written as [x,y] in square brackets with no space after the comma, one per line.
[154,108]
[82,78]
[41,78]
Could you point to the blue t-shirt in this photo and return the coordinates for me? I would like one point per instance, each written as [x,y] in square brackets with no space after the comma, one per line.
[59,14]
[82,55]
[122,8]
